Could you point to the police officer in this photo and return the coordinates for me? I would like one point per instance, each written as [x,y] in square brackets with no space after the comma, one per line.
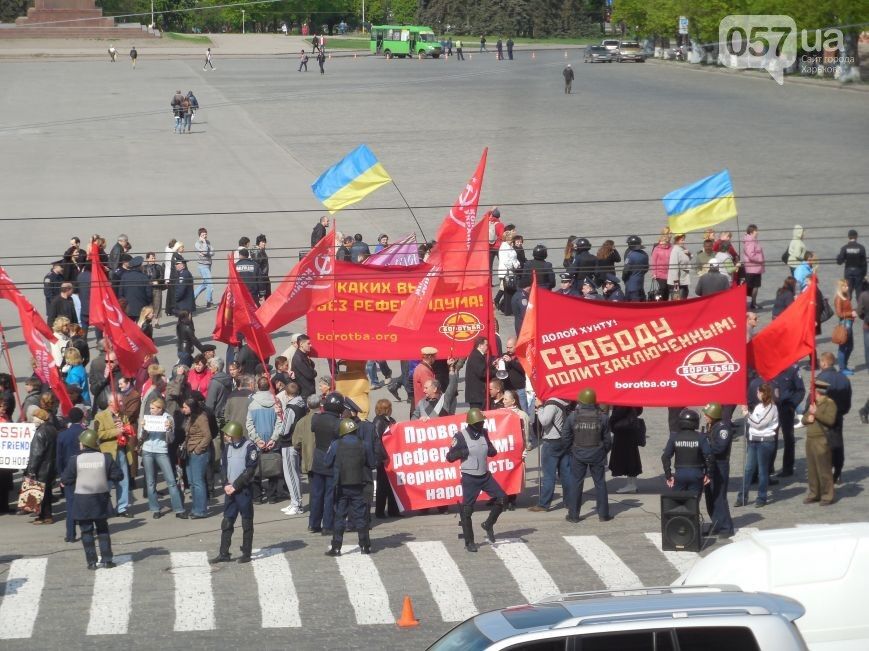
[473,447]
[694,459]
[583,264]
[352,462]
[719,434]
[320,478]
[90,472]
[248,273]
[238,466]
[368,435]
[588,430]
[635,269]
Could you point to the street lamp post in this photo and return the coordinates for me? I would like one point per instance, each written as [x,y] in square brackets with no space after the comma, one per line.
[152,14]
[242,21]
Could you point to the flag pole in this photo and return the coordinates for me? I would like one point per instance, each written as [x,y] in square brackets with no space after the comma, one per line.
[333,363]
[11,369]
[401,194]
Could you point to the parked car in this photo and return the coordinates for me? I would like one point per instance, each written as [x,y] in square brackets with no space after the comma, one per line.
[824,567]
[597,54]
[611,44]
[630,51]
[701,618]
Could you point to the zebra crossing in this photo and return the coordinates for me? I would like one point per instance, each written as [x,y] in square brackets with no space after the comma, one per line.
[275,572]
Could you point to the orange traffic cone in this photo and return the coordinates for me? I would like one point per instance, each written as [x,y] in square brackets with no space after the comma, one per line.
[408,619]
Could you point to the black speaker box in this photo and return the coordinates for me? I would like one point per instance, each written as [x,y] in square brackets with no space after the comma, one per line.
[680,522]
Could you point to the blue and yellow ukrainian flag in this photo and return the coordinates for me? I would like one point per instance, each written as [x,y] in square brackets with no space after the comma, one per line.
[350,180]
[701,204]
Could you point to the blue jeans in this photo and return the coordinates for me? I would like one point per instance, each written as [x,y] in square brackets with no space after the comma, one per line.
[371,371]
[196,466]
[69,496]
[322,501]
[554,457]
[757,459]
[205,274]
[844,353]
[185,122]
[152,461]
[122,488]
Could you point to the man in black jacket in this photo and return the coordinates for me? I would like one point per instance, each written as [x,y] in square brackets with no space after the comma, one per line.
[261,259]
[302,367]
[136,289]
[853,256]
[538,265]
[475,374]
[583,264]
[62,305]
[51,283]
[120,247]
[319,231]
[320,478]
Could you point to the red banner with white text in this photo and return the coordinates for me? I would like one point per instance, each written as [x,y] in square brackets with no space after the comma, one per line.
[418,469]
[661,354]
[355,326]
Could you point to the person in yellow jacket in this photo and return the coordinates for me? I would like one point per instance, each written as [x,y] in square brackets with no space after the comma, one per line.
[116,442]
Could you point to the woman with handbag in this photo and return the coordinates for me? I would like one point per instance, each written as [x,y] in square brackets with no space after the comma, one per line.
[843,334]
[196,445]
[41,464]
[629,435]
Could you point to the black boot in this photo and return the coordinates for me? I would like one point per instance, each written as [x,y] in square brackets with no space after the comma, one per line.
[364,541]
[494,514]
[246,540]
[226,529]
[468,528]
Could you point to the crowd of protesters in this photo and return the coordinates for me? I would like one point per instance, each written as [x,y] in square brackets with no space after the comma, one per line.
[166,419]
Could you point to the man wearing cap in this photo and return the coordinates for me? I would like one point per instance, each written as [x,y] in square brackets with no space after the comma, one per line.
[51,284]
[589,290]
[424,371]
[238,466]
[67,449]
[853,256]
[635,269]
[62,305]
[184,299]
[713,280]
[118,272]
[136,288]
[565,285]
[819,419]
[611,290]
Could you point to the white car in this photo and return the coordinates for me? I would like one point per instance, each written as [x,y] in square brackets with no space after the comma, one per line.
[824,567]
[695,618]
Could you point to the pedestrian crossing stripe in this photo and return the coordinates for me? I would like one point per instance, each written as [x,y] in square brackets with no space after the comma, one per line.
[278,598]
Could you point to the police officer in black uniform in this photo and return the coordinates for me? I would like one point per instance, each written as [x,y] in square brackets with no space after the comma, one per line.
[591,441]
[473,447]
[90,472]
[238,466]
[694,459]
[720,440]
[248,273]
[584,263]
[352,462]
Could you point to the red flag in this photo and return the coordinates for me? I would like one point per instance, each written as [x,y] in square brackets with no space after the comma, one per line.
[789,338]
[455,239]
[526,342]
[237,313]
[309,284]
[460,257]
[412,312]
[130,344]
[38,336]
